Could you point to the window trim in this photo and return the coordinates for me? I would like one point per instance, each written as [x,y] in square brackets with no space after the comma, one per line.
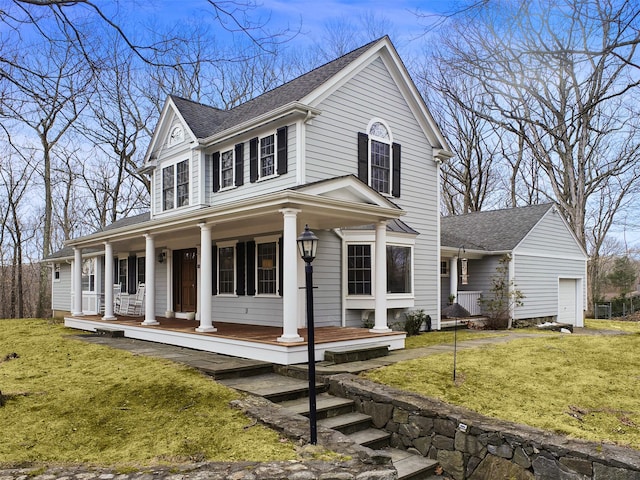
[394,300]
[232,150]
[447,267]
[274,156]
[56,272]
[276,281]
[220,245]
[371,246]
[174,188]
[124,287]
[92,273]
[385,141]
[412,273]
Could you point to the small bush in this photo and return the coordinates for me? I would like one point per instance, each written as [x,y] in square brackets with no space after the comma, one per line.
[414,320]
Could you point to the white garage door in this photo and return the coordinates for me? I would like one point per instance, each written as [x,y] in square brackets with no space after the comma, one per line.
[567,302]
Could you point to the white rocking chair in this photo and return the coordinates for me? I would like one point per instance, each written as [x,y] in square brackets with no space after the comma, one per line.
[136,304]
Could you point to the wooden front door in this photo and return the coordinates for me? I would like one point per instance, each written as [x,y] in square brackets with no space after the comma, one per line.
[185,263]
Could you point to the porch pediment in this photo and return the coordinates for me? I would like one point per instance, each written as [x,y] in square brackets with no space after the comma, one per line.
[349,189]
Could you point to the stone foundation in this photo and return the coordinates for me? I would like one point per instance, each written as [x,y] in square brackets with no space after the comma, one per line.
[471,446]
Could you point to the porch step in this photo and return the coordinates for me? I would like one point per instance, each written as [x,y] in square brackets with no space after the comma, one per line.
[272,386]
[372,438]
[326,406]
[351,354]
[413,467]
[240,371]
[110,332]
[347,423]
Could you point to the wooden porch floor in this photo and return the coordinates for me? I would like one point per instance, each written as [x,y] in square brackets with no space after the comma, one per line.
[251,333]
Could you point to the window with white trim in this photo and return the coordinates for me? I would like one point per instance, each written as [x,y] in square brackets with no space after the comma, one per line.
[267,257]
[227,169]
[56,272]
[399,278]
[89,275]
[267,156]
[359,269]
[380,157]
[175,185]
[226,270]
[141,272]
[444,268]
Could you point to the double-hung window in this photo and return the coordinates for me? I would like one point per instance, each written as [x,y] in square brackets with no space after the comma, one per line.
[226,169]
[267,255]
[123,274]
[226,270]
[141,273]
[380,148]
[267,156]
[175,185]
[89,275]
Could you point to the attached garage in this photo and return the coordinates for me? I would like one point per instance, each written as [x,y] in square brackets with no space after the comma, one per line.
[546,263]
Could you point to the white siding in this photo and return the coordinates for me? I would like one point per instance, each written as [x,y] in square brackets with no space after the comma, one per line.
[332,151]
[327,278]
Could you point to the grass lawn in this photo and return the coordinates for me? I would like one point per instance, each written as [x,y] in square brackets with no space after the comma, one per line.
[73,402]
[427,339]
[582,386]
[631,327]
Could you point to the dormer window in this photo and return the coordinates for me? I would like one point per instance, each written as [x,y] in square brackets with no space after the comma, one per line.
[379,159]
[175,185]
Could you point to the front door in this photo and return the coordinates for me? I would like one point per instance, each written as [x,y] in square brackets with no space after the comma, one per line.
[185,263]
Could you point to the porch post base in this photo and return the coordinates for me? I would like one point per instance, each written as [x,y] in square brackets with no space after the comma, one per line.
[290,339]
[150,322]
[76,314]
[110,317]
[380,330]
[206,329]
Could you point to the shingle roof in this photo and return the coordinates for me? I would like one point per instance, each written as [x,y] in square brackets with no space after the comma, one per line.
[205,121]
[495,230]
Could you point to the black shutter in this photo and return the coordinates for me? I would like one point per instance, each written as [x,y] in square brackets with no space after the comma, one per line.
[363,157]
[214,270]
[240,272]
[132,284]
[253,159]
[251,268]
[216,172]
[282,150]
[239,164]
[280,265]
[395,189]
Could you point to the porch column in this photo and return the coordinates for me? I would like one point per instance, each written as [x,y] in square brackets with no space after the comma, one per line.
[108,282]
[76,309]
[290,280]
[453,277]
[206,282]
[381,280]
[150,281]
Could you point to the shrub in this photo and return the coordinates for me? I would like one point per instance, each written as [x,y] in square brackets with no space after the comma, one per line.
[414,320]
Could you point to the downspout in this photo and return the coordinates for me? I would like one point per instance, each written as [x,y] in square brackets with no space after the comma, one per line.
[343,305]
[512,305]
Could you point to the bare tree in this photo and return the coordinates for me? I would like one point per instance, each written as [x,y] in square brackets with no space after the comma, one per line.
[563,79]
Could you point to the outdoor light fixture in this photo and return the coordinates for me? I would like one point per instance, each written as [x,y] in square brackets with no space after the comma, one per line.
[161,257]
[307,245]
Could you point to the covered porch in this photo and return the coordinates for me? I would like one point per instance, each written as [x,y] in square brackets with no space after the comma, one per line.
[240,340]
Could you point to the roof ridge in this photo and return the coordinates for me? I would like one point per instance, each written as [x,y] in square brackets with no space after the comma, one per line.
[504,209]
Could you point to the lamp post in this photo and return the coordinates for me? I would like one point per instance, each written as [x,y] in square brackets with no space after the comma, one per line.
[307,245]
[455,327]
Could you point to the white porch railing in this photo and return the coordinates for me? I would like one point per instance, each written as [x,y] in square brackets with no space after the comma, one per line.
[469,300]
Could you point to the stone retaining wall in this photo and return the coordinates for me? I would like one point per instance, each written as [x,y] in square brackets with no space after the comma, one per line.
[470,446]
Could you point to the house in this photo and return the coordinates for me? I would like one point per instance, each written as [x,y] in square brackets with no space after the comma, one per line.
[547,262]
[348,149]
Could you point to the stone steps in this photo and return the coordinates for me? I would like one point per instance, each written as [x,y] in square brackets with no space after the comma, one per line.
[347,423]
[413,467]
[272,386]
[345,355]
[326,406]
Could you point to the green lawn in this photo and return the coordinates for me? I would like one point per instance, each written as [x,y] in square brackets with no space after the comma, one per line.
[74,402]
[631,327]
[427,339]
[583,386]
